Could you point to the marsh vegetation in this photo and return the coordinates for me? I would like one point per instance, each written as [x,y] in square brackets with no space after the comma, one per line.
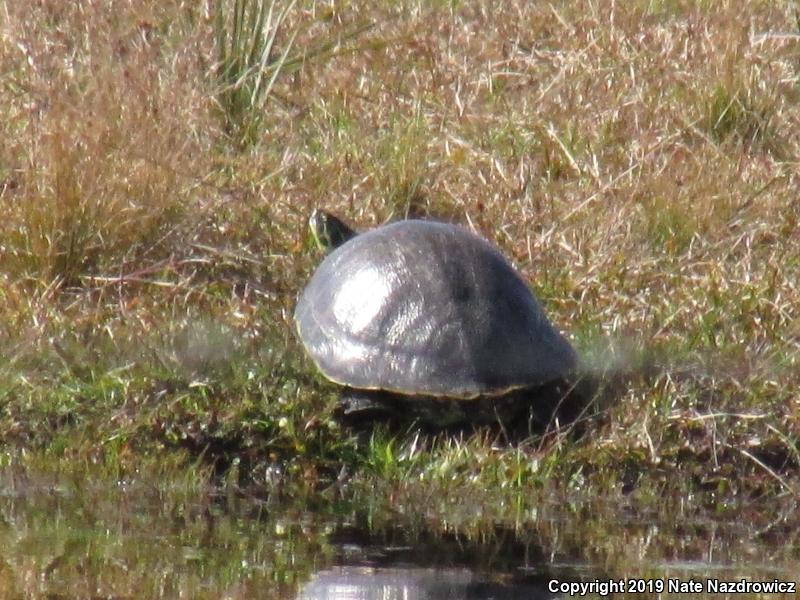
[637,161]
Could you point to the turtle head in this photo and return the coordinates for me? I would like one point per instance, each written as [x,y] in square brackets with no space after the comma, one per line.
[328,231]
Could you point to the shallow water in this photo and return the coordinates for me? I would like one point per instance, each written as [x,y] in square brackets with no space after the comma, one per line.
[75,538]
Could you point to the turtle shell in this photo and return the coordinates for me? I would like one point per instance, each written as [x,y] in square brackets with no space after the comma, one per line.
[422,308]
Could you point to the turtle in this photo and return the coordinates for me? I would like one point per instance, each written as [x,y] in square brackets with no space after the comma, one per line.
[426,320]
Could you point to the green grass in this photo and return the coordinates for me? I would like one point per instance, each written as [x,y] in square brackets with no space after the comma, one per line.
[640,172]
[249,62]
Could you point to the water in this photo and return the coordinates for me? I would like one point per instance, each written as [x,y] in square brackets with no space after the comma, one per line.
[413,583]
[69,537]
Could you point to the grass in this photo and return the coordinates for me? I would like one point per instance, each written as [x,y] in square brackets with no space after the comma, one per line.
[639,167]
[248,63]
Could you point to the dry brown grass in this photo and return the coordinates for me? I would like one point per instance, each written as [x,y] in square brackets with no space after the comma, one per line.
[637,160]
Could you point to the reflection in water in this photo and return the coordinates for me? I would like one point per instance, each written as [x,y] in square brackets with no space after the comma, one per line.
[64,537]
[365,583]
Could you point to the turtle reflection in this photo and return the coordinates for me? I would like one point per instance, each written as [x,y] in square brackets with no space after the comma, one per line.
[368,583]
